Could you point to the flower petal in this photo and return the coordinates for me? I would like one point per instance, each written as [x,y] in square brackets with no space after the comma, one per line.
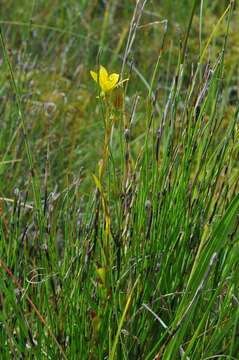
[114,78]
[106,82]
[103,73]
[104,79]
[110,83]
[94,76]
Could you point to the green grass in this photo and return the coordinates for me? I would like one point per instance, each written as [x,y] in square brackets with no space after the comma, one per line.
[119,215]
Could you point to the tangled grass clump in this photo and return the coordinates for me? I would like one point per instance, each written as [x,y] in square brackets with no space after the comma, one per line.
[119,199]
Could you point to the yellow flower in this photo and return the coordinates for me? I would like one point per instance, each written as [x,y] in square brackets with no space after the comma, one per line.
[106,82]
